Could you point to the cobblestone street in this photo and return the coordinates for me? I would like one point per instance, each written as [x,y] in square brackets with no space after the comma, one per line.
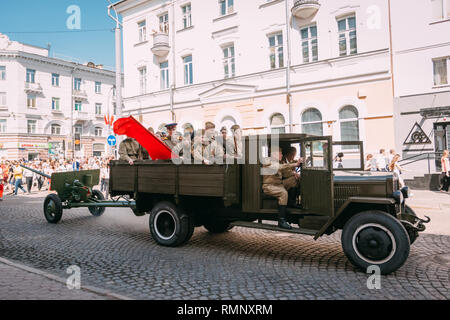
[116,253]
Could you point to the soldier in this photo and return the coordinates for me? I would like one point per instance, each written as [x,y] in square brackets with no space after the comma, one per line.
[273,183]
[213,151]
[235,146]
[171,140]
[130,150]
[291,178]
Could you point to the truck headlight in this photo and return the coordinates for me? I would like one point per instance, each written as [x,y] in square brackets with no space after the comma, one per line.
[405,192]
[398,196]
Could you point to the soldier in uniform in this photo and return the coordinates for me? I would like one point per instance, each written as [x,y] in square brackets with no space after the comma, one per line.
[273,183]
[213,151]
[130,150]
[291,178]
[170,140]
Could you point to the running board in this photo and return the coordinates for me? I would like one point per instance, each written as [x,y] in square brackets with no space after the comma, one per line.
[272,227]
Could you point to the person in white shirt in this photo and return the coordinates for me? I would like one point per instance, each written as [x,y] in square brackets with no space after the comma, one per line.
[397,170]
[29,175]
[391,155]
[104,175]
[445,165]
[381,161]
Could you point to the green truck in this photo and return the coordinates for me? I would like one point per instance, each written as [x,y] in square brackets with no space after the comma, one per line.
[377,225]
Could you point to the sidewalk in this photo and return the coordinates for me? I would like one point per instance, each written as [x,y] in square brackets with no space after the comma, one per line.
[19,282]
[435,205]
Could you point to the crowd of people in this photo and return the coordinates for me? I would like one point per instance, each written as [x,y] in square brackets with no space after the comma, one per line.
[13,177]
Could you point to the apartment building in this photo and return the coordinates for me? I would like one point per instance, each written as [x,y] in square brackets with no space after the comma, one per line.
[421,49]
[43,98]
[312,66]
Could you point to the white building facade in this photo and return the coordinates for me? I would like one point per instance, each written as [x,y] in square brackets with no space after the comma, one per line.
[41,98]
[313,66]
[421,48]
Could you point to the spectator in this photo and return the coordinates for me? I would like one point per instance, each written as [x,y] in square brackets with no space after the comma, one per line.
[18,176]
[369,166]
[397,170]
[381,161]
[445,165]
[29,178]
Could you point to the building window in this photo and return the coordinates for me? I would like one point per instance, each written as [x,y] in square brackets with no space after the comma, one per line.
[142,31]
[277,123]
[78,129]
[440,9]
[228,122]
[31,101]
[309,44]
[229,62]
[188,70]
[2,99]
[77,84]
[226,7]
[98,132]
[55,80]
[441,71]
[2,73]
[98,108]
[55,104]
[98,87]
[56,129]
[164,75]
[3,126]
[349,123]
[276,51]
[143,80]
[347,36]
[312,122]
[187,17]
[31,126]
[164,23]
[31,75]
[77,106]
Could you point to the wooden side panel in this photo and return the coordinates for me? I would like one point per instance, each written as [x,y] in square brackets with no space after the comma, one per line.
[122,178]
[157,179]
[251,188]
[317,194]
[200,180]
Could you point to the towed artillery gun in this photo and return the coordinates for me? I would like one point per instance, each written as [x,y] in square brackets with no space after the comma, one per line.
[74,190]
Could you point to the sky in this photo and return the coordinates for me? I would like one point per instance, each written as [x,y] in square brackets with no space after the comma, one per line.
[39,22]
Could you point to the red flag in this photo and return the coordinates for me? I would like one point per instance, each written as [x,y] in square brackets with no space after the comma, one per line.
[156,149]
[106,120]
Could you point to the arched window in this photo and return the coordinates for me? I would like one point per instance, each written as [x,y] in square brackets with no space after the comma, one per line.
[56,129]
[349,123]
[277,123]
[312,122]
[227,122]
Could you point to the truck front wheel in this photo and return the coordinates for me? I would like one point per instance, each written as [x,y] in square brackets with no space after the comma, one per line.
[374,238]
[169,225]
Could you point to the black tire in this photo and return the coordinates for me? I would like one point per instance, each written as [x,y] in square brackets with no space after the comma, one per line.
[169,225]
[375,238]
[97,211]
[412,233]
[53,208]
[191,230]
[217,226]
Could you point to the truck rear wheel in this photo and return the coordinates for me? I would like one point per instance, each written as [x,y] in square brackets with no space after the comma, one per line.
[375,238]
[53,208]
[217,226]
[169,225]
[97,211]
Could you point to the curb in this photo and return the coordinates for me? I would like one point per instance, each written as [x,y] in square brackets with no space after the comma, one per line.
[49,276]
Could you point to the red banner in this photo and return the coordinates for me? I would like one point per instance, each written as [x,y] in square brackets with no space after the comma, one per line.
[156,149]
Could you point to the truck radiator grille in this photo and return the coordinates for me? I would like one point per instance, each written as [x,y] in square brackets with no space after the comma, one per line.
[342,193]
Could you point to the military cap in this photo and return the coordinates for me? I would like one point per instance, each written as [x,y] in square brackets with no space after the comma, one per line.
[223,129]
[151,129]
[209,125]
[235,127]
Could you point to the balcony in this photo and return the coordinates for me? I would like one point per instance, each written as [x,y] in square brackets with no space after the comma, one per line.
[80,116]
[160,44]
[33,88]
[305,9]
[80,94]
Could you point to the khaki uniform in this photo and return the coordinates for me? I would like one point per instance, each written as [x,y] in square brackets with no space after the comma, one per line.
[273,183]
[210,153]
[170,142]
[289,179]
[130,149]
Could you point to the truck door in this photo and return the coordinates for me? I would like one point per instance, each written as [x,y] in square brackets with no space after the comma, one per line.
[316,176]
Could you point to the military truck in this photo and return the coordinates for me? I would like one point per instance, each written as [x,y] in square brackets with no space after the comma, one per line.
[369,207]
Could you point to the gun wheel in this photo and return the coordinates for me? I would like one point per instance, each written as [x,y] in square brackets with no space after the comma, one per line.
[97,211]
[53,208]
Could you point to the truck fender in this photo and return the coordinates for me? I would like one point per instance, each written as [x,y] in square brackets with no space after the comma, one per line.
[332,221]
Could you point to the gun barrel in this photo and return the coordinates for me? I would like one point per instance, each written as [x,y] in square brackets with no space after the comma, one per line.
[37,172]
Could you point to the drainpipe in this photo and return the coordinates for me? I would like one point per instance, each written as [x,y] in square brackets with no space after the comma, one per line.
[391,48]
[173,84]
[118,60]
[71,115]
[288,69]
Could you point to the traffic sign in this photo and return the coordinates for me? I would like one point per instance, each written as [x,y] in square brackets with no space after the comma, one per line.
[112,140]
